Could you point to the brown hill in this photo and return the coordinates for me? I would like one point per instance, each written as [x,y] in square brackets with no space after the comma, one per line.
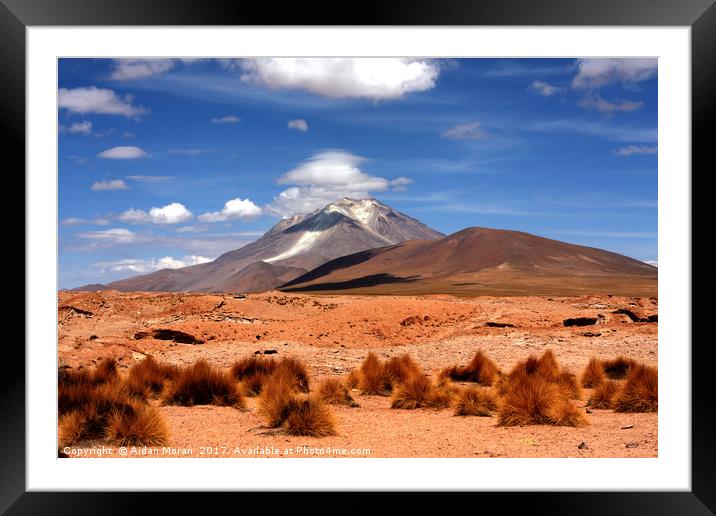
[482,261]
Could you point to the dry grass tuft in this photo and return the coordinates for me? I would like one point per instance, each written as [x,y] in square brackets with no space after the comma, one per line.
[569,385]
[352,379]
[593,374]
[373,378]
[418,392]
[295,370]
[640,392]
[538,392]
[335,392]
[481,370]
[253,372]
[308,415]
[200,384]
[603,395]
[475,401]
[149,377]
[276,400]
[136,425]
[617,368]
[400,369]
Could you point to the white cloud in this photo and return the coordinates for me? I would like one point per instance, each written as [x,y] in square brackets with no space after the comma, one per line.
[373,78]
[298,125]
[131,69]
[595,101]
[72,221]
[228,119]
[234,209]
[110,237]
[185,152]
[173,213]
[630,150]
[154,264]
[323,178]
[597,72]
[84,127]
[401,183]
[97,100]
[544,89]
[468,131]
[123,152]
[111,184]
[150,179]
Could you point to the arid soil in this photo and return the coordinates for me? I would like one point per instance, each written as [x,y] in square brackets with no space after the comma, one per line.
[333,334]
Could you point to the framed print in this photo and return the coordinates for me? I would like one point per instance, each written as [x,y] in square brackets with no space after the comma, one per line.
[447,249]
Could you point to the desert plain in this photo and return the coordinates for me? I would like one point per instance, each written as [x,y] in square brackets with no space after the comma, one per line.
[333,334]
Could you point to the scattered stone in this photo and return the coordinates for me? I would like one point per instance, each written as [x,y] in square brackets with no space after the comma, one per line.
[257,352]
[410,321]
[589,411]
[239,296]
[93,337]
[592,334]
[270,351]
[627,427]
[491,324]
[583,446]
[636,317]
[258,337]
[580,321]
[632,445]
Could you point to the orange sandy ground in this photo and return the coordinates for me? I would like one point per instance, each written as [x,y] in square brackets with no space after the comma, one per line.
[333,334]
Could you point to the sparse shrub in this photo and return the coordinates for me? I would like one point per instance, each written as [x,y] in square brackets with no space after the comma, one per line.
[617,368]
[568,384]
[593,374]
[253,372]
[70,428]
[603,395]
[335,392]
[200,384]
[418,392]
[399,369]
[308,415]
[276,400]
[640,393]
[352,379]
[105,371]
[148,377]
[295,370]
[136,425]
[548,367]
[475,401]
[373,378]
[481,370]
[531,399]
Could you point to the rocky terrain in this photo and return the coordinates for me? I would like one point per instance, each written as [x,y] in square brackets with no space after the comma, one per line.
[333,334]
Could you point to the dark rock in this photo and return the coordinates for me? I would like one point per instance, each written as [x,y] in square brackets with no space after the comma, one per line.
[632,445]
[591,334]
[583,446]
[627,427]
[580,321]
[92,337]
[270,351]
[166,334]
[409,321]
[491,324]
[258,337]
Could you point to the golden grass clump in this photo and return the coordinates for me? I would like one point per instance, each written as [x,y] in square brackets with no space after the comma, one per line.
[640,393]
[149,377]
[593,373]
[373,378]
[200,384]
[352,379]
[280,406]
[335,392]
[419,392]
[136,425]
[481,369]
[538,392]
[253,372]
[475,401]
[295,370]
[400,369]
[308,415]
[617,368]
[104,372]
[603,395]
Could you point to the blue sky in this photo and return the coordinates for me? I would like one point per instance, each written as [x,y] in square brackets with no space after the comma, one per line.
[170,162]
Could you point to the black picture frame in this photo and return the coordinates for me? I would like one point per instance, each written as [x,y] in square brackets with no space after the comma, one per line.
[699,15]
